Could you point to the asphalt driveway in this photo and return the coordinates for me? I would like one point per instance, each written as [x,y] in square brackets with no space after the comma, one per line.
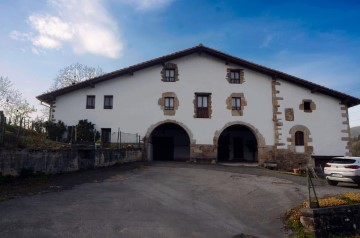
[163,200]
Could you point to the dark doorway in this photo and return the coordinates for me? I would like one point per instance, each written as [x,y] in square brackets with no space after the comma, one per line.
[237,143]
[169,141]
[238,146]
[163,148]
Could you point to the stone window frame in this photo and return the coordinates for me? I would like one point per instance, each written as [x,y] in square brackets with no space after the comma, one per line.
[235,70]
[90,101]
[307,139]
[161,103]
[209,105]
[312,105]
[169,66]
[243,104]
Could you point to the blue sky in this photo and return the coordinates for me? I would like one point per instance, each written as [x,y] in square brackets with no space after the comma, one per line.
[314,40]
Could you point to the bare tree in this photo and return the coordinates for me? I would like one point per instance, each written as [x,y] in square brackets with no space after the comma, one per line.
[18,111]
[8,95]
[73,74]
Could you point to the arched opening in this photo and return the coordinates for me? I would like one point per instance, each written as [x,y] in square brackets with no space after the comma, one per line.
[168,142]
[237,143]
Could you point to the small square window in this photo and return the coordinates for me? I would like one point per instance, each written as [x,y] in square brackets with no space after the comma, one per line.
[234,76]
[90,102]
[307,106]
[169,103]
[170,75]
[108,102]
[236,103]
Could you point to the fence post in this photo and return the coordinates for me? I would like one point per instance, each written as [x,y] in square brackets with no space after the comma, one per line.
[120,138]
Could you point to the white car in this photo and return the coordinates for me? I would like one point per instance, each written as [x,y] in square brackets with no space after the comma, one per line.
[343,169]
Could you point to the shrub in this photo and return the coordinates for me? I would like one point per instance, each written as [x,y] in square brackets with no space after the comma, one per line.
[54,130]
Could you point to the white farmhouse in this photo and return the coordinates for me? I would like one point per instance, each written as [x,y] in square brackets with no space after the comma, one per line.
[202,104]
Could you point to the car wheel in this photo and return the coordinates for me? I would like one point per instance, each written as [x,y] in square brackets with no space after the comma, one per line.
[332,183]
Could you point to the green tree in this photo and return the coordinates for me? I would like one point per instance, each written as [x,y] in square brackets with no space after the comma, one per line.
[54,130]
[38,126]
[85,131]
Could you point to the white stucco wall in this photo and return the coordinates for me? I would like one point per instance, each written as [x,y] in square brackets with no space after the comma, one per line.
[325,123]
[135,104]
[136,109]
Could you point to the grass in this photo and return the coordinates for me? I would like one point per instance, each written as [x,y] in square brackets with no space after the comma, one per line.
[292,216]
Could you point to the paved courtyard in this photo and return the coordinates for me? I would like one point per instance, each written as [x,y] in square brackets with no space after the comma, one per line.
[163,200]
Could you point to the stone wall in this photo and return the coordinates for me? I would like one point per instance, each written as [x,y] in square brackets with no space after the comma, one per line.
[332,221]
[288,160]
[59,161]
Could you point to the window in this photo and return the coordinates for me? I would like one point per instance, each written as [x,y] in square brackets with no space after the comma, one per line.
[169,103]
[307,106]
[106,135]
[234,76]
[170,75]
[299,138]
[236,103]
[169,72]
[90,102]
[108,102]
[202,105]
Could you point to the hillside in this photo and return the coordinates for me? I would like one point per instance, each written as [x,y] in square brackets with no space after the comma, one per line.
[355,131]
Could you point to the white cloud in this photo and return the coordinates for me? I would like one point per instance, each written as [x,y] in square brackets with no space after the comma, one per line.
[83,24]
[51,26]
[96,40]
[16,35]
[145,5]
[46,42]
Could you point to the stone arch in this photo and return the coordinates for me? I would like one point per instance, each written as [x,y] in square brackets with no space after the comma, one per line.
[260,139]
[182,125]
[262,149]
[154,143]
[307,138]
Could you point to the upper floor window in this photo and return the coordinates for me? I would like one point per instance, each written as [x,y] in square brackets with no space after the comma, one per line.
[90,102]
[234,76]
[169,73]
[307,105]
[203,105]
[108,102]
[169,103]
[299,138]
[236,103]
